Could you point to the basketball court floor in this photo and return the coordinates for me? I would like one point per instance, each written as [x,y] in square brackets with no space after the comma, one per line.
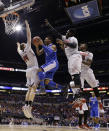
[42,128]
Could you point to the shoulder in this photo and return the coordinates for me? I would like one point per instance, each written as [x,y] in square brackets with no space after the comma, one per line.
[91,53]
[73,39]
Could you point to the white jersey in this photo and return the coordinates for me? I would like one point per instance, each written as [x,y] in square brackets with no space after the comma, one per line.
[84,107]
[87,56]
[29,56]
[68,50]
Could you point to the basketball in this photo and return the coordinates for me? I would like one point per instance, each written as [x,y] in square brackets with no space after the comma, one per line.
[36,40]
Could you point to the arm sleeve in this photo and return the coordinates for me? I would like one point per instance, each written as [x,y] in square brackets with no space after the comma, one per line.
[90,57]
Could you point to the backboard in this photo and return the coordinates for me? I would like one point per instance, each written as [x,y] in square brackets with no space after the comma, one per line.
[9,12]
[106,102]
[15,5]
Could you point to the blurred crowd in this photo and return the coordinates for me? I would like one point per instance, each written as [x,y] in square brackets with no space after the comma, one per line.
[59,114]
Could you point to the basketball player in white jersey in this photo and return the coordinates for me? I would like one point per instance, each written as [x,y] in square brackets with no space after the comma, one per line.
[87,73]
[70,45]
[30,59]
[81,106]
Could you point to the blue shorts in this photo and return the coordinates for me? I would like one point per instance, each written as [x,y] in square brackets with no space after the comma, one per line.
[50,69]
[94,113]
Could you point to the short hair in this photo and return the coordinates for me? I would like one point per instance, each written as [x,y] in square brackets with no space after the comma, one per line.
[22,46]
[50,38]
[84,44]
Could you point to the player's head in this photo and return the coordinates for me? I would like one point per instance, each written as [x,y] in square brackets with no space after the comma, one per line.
[48,40]
[83,47]
[93,94]
[70,33]
[22,46]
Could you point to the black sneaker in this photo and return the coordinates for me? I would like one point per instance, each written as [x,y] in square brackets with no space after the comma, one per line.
[41,91]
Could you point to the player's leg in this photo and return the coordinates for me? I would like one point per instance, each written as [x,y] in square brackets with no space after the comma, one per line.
[41,75]
[49,70]
[91,80]
[92,116]
[82,78]
[74,67]
[34,85]
[49,77]
[30,100]
[49,81]
[80,120]
[96,120]
[32,80]
[28,84]
[85,119]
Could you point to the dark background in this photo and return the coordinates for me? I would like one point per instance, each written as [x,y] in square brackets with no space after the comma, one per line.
[94,32]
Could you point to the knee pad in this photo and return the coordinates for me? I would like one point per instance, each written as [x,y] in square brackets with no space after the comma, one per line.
[71,84]
[77,80]
[95,89]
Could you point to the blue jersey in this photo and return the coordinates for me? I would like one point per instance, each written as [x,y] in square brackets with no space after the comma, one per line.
[93,103]
[50,54]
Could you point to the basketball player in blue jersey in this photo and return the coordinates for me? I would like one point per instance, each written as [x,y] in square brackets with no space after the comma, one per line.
[69,44]
[47,71]
[94,110]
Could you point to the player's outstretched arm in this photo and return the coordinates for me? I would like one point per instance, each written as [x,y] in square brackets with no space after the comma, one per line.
[53,30]
[18,47]
[39,51]
[28,33]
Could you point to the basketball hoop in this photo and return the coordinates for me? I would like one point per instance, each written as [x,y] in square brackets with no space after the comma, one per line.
[10,21]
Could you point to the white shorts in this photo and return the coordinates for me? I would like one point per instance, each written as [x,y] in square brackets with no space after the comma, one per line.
[74,64]
[89,76]
[32,77]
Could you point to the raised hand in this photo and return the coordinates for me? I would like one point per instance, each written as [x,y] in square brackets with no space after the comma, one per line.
[47,22]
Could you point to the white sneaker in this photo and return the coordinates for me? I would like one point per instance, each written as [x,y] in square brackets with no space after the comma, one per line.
[29,110]
[75,90]
[25,111]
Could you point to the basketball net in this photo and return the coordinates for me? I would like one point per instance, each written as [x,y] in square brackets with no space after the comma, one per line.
[10,21]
